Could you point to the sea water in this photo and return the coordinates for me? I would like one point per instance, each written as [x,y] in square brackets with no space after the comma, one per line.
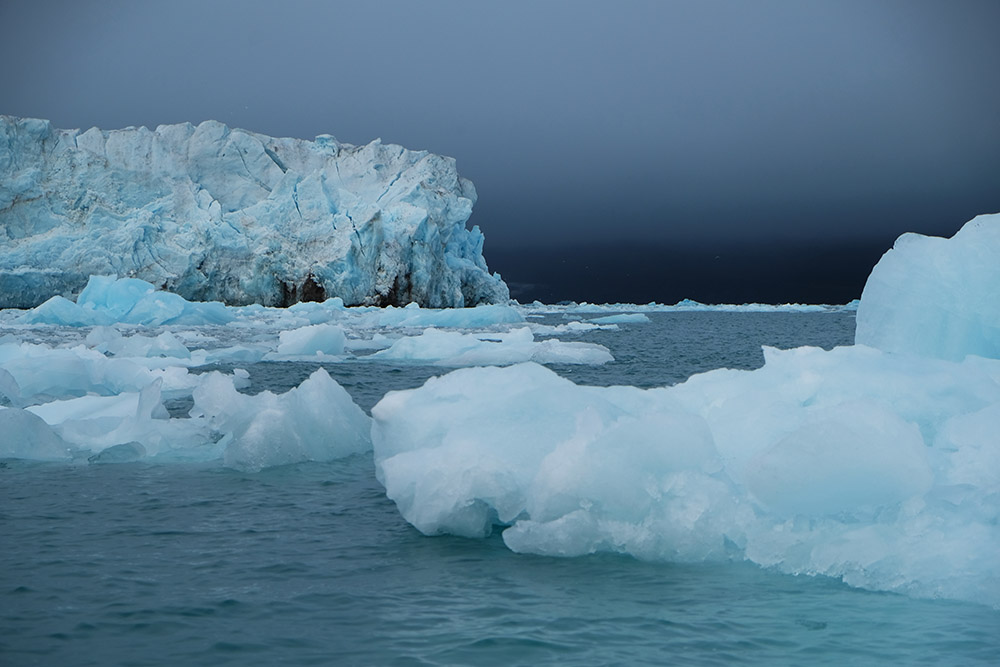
[145,564]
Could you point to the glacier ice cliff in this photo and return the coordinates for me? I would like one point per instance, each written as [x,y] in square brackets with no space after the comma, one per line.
[214,213]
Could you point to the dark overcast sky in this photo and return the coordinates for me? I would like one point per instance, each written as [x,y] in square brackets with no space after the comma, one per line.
[627,144]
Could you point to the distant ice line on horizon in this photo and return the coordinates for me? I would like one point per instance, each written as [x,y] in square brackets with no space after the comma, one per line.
[681,306]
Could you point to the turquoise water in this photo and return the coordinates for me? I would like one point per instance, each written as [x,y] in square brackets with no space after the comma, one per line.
[145,564]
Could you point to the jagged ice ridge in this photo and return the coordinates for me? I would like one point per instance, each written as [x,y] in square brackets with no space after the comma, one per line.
[219,214]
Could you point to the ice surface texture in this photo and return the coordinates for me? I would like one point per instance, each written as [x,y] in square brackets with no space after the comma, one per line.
[880,469]
[67,402]
[936,297]
[218,214]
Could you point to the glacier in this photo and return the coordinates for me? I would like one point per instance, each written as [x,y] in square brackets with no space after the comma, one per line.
[878,464]
[212,213]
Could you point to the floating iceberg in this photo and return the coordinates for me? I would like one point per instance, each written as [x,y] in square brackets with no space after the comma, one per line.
[876,467]
[316,421]
[24,435]
[623,318]
[213,213]
[68,402]
[456,318]
[879,469]
[936,297]
[574,328]
[31,374]
[451,348]
[109,300]
[326,339]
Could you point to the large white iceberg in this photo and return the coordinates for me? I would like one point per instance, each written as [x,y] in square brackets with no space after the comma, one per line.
[878,467]
[214,213]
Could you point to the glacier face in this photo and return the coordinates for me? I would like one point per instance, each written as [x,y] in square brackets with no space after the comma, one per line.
[220,214]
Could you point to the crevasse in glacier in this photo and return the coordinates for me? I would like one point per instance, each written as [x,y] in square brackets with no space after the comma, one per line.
[214,213]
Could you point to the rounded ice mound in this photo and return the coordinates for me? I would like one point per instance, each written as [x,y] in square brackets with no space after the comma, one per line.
[454,462]
[451,348]
[327,339]
[24,435]
[936,297]
[872,467]
[316,421]
[454,318]
[109,299]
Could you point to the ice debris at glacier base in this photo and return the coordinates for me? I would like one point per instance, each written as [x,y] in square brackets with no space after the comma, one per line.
[316,330]
[877,466]
[214,213]
[97,385]
[109,300]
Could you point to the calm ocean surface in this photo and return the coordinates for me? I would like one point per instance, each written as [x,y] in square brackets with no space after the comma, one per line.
[196,564]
